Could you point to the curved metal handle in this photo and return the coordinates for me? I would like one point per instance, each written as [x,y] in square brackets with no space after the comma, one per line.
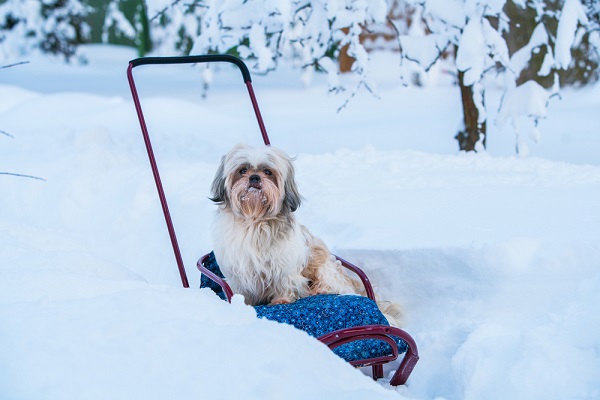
[195,60]
[363,277]
[406,365]
[214,277]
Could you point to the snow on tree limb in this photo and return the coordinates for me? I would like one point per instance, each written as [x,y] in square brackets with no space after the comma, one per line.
[521,58]
[28,26]
[571,16]
[263,32]
[482,48]
[470,57]
[424,50]
[523,106]
[115,20]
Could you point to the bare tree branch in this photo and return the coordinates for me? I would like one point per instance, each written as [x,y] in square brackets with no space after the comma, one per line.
[13,65]
[194,3]
[7,134]
[23,176]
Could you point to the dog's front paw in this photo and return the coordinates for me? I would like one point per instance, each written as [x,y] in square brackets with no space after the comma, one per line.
[319,287]
[280,300]
[319,290]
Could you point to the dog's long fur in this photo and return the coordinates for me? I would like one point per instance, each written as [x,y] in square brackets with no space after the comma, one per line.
[266,255]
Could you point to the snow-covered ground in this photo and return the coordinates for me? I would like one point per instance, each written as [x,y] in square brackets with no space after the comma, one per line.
[495,258]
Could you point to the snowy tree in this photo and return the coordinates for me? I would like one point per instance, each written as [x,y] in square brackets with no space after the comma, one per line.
[478,34]
[536,46]
[175,25]
[560,43]
[127,19]
[309,33]
[593,12]
[48,26]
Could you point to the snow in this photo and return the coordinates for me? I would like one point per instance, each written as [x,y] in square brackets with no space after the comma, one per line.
[572,14]
[116,20]
[524,105]
[521,57]
[19,32]
[450,13]
[471,43]
[30,26]
[494,258]
[424,49]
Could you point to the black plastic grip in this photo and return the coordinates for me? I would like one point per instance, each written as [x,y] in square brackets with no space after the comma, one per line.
[193,60]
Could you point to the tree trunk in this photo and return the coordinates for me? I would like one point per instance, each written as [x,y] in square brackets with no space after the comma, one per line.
[474,130]
[345,60]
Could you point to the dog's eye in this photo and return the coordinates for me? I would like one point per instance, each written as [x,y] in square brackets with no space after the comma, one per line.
[243,171]
[268,172]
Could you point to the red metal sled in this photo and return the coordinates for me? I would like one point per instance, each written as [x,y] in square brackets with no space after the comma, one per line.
[332,339]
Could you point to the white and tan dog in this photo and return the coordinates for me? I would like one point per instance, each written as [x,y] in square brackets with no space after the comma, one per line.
[266,255]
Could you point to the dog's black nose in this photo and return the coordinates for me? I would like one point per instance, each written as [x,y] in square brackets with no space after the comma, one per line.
[254,179]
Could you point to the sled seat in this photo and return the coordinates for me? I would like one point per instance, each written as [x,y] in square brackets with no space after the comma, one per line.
[351,325]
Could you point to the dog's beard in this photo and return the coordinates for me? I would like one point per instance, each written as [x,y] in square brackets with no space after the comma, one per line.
[255,202]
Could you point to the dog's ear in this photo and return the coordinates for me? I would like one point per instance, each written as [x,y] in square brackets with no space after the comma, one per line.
[218,191]
[292,197]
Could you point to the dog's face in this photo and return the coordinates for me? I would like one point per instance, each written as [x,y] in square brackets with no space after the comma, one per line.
[256,182]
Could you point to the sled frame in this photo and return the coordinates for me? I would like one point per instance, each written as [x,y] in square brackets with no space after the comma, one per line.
[333,339]
[339,337]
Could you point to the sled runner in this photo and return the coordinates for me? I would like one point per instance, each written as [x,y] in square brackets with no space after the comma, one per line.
[350,325]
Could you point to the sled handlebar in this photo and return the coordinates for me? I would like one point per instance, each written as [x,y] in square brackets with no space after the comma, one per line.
[136,100]
[196,60]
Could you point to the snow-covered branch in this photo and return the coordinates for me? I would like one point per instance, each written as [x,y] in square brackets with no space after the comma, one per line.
[56,27]
[479,31]
[306,33]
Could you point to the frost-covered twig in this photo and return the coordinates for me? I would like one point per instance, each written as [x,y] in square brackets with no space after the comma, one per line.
[23,176]
[160,13]
[347,101]
[354,92]
[164,10]
[390,21]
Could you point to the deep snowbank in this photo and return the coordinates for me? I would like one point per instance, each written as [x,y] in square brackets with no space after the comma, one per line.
[495,259]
